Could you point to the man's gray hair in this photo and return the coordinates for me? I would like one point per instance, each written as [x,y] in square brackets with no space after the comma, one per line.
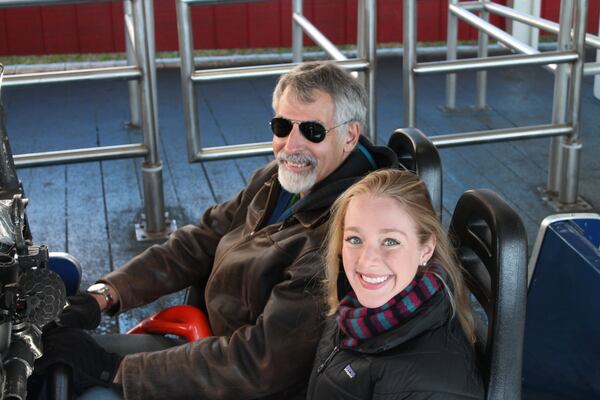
[348,95]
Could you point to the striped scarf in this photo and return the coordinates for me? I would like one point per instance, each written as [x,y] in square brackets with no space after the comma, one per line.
[359,323]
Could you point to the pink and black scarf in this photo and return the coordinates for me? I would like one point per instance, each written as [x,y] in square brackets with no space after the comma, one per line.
[359,323]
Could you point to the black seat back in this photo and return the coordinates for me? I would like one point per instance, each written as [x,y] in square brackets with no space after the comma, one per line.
[417,154]
[492,246]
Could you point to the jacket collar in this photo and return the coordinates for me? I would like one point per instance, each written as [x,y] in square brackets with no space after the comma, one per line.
[435,313]
[315,206]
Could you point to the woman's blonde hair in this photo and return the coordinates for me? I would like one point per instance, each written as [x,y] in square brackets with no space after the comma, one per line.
[411,193]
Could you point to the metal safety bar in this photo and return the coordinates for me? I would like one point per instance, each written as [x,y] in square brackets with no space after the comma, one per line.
[128,72]
[513,60]
[141,73]
[536,22]
[364,63]
[500,135]
[567,63]
[265,70]
[80,155]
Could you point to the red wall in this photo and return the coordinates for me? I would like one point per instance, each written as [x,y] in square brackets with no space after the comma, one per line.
[91,28]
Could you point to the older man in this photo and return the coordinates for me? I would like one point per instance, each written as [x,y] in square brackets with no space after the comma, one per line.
[257,257]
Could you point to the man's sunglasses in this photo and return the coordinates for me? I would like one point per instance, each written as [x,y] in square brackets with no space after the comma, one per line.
[311,130]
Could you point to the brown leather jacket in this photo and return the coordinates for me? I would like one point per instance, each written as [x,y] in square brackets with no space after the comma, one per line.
[262,292]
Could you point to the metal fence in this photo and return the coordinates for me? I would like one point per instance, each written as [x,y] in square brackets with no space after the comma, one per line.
[567,63]
[365,63]
[141,72]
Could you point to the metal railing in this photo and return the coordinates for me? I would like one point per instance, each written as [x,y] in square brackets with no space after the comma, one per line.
[365,63]
[567,64]
[141,72]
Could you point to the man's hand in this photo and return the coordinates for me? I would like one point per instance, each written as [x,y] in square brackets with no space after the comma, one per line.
[82,311]
[91,364]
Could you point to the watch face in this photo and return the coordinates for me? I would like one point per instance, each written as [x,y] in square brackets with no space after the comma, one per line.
[97,288]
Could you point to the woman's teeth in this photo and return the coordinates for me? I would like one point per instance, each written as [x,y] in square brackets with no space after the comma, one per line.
[374,280]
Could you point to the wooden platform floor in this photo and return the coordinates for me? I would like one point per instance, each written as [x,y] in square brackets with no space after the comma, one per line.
[89,209]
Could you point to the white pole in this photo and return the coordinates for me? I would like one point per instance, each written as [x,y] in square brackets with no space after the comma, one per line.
[522,32]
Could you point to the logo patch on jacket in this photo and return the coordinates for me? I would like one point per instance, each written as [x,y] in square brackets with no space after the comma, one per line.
[349,371]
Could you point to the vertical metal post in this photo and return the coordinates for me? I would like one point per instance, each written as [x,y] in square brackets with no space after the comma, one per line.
[134,86]
[149,29]
[559,105]
[297,33]
[366,46]
[360,30]
[597,77]
[482,51]
[152,166]
[361,41]
[452,42]
[186,46]
[567,193]
[572,147]
[408,62]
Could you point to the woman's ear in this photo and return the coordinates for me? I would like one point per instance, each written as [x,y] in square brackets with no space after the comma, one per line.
[427,249]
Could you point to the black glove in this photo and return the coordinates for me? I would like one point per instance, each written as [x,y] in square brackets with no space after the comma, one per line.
[82,311]
[91,364]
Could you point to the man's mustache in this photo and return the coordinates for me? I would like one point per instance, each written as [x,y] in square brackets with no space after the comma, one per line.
[297,158]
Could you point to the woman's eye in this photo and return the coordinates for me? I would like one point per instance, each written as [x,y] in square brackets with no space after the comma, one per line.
[353,240]
[390,242]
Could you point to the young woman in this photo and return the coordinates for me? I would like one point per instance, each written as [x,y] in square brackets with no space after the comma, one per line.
[403,329]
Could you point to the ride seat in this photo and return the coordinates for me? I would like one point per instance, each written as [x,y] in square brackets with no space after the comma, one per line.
[68,268]
[561,348]
[418,154]
[491,244]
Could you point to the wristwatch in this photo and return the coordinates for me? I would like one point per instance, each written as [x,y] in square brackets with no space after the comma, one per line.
[103,290]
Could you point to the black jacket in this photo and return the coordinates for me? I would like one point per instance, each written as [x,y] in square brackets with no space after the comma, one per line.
[426,357]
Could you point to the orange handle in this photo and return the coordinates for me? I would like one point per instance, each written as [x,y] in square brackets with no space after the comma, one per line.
[185,321]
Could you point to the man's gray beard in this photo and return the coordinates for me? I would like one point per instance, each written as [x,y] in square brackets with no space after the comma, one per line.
[293,182]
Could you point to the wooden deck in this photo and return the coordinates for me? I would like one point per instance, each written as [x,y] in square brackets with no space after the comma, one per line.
[89,209]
